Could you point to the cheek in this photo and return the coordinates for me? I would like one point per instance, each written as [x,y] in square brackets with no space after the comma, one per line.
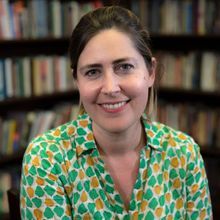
[142,94]
[139,98]
[137,87]
[87,94]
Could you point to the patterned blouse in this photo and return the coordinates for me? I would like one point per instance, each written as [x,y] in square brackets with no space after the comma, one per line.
[64,177]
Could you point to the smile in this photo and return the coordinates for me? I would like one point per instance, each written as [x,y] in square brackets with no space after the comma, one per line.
[114,106]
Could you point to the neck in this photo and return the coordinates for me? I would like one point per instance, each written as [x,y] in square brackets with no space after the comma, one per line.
[116,144]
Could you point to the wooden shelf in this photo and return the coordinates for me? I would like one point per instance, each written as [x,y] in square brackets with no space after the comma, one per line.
[186,43]
[13,159]
[4,216]
[59,46]
[38,102]
[178,95]
[213,152]
[47,101]
[49,46]
[27,47]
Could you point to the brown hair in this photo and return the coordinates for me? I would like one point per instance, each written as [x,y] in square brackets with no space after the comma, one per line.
[110,17]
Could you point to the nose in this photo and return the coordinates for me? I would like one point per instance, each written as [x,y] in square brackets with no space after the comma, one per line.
[110,84]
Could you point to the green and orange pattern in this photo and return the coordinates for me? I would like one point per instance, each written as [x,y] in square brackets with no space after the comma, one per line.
[64,177]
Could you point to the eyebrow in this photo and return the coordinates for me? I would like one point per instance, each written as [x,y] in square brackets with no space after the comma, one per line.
[122,60]
[90,66]
[97,65]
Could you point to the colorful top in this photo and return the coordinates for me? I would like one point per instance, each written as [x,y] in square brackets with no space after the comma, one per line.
[64,177]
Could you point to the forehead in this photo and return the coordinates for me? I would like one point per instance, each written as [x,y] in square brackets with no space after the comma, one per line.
[109,43]
[110,36]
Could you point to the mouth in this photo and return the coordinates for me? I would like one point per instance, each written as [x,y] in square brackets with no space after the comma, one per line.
[114,106]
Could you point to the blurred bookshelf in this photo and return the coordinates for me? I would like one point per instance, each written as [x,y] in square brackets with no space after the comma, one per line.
[197,41]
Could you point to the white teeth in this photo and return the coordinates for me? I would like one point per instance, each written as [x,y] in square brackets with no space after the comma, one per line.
[114,106]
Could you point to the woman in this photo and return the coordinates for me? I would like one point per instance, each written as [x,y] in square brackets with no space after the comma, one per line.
[113,162]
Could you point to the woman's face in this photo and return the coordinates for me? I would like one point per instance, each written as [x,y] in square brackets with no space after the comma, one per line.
[113,81]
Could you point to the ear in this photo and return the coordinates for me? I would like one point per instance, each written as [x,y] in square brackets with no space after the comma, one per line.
[152,72]
[75,84]
[75,81]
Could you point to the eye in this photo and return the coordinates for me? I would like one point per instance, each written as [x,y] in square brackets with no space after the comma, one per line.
[124,68]
[92,73]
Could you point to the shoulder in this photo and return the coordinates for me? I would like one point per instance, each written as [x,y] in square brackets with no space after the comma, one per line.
[170,140]
[59,135]
[173,136]
[58,143]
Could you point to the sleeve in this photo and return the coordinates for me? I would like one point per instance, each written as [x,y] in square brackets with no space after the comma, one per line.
[197,190]
[44,187]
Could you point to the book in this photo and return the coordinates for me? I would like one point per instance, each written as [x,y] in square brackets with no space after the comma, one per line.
[1,138]
[187,71]
[5,21]
[169,17]
[187,17]
[26,67]
[5,184]
[2,80]
[199,122]
[155,19]
[217,72]
[201,17]
[143,15]
[208,71]
[8,78]
[37,89]
[41,8]
[71,11]
[55,16]
[47,121]
[47,74]
[11,136]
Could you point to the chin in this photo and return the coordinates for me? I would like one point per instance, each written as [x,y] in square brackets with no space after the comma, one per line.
[117,125]
[115,129]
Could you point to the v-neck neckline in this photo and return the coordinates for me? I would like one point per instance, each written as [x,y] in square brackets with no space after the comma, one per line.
[112,194]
